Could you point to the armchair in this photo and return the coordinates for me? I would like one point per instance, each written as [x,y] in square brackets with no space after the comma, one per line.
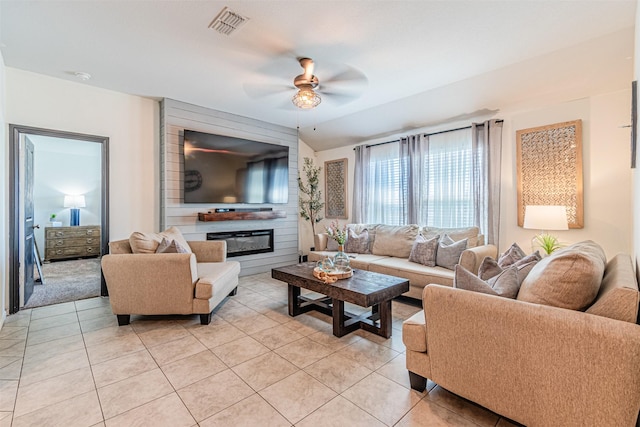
[169,283]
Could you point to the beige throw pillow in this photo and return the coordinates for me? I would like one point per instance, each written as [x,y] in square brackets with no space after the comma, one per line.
[395,240]
[147,243]
[456,234]
[568,278]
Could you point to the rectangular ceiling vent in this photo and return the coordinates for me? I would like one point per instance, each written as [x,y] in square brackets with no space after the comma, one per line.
[227,22]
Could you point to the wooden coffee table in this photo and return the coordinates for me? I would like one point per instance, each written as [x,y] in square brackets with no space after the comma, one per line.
[364,288]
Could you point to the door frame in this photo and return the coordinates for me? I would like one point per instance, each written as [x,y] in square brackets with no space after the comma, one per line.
[15,132]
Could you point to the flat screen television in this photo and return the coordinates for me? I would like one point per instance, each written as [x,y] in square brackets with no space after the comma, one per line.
[223,169]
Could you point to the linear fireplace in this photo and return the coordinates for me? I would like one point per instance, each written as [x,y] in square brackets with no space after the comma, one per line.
[245,242]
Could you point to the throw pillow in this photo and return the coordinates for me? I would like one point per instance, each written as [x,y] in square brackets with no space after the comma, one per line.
[513,254]
[395,241]
[504,284]
[490,268]
[167,246]
[448,254]
[470,233]
[357,243]
[424,250]
[569,278]
[147,243]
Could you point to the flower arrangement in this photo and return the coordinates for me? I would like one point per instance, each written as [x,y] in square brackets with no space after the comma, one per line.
[337,233]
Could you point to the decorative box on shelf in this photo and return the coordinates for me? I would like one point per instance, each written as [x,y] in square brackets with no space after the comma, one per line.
[71,242]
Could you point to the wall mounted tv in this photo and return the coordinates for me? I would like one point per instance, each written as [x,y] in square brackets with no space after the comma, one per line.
[223,169]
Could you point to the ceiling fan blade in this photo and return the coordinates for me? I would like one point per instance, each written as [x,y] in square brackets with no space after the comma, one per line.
[350,76]
[339,98]
[257,90]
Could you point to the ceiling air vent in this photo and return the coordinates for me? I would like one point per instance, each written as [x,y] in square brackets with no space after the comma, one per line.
[227,22]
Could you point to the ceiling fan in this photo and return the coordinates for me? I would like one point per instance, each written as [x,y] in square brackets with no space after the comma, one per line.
[344,85]
[306,98]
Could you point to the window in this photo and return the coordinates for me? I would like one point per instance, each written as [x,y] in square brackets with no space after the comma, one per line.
[447,179]
[444,188]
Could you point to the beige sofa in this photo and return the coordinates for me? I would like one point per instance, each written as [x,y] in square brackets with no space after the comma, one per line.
[389,248]
[537,364]
[169,283]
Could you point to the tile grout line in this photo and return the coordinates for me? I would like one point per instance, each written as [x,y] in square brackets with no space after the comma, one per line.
[24,350]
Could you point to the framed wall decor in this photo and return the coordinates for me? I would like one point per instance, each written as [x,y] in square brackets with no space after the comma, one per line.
[335,179]
[549,163]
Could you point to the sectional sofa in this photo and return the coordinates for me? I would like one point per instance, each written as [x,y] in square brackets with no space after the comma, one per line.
[386,249]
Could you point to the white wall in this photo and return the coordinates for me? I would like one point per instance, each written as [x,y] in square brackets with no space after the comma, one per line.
[636,175]
[4,209]
[305,235]
[130,122]
[606,170]
[65,167]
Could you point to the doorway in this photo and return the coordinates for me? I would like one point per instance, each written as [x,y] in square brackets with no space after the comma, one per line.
[20,254]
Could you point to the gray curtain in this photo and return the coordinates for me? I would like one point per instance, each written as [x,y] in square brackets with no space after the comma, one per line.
[486,140]
[412,171]
[360,183]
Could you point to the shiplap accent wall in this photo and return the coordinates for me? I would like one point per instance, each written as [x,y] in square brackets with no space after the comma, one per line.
[175,117]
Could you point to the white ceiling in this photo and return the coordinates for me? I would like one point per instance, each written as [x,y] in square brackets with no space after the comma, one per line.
[425,62]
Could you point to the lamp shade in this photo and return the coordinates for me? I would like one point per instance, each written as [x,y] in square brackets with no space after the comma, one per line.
[74,201]
[545,217]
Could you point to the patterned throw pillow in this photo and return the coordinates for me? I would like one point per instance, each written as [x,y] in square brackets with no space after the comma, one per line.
[505,284]
[449,252]
[167,246]
[424,250]
[357,243]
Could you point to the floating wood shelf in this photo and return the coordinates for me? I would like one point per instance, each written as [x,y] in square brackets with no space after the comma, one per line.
[235,216]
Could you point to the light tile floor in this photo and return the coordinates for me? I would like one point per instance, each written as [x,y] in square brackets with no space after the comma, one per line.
[71,365]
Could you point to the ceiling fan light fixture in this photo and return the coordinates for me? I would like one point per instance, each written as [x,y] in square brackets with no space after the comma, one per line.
[306,99]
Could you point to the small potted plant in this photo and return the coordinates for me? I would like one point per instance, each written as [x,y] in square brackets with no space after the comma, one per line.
[53,222]
[547,243]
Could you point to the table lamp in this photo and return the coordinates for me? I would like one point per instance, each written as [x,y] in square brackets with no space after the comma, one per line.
[545,218]
[74,202]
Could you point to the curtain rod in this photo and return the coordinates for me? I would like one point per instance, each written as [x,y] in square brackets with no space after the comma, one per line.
[427,134]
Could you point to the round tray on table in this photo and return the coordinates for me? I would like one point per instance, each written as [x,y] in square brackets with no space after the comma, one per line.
[338,274]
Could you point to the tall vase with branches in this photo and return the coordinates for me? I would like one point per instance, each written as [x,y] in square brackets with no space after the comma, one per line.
[310,201]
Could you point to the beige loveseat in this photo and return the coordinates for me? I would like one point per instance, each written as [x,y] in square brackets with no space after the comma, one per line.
[389,247]
[169,283]
[538,364]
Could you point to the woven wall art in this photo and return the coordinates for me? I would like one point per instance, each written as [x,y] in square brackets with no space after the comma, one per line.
[549,161]
[335,175]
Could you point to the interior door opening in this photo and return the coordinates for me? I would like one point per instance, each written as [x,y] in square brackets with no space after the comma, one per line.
[64,204]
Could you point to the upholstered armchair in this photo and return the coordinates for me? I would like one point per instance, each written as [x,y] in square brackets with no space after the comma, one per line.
[194,282]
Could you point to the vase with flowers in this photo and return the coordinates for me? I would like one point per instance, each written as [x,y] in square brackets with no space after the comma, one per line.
[339,234]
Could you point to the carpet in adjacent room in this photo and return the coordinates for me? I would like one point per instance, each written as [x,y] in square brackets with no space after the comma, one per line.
[66,281]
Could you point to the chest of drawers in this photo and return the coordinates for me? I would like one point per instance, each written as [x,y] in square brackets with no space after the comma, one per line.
[71,242]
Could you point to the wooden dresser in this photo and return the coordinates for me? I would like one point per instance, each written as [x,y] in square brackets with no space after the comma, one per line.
[71,242]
